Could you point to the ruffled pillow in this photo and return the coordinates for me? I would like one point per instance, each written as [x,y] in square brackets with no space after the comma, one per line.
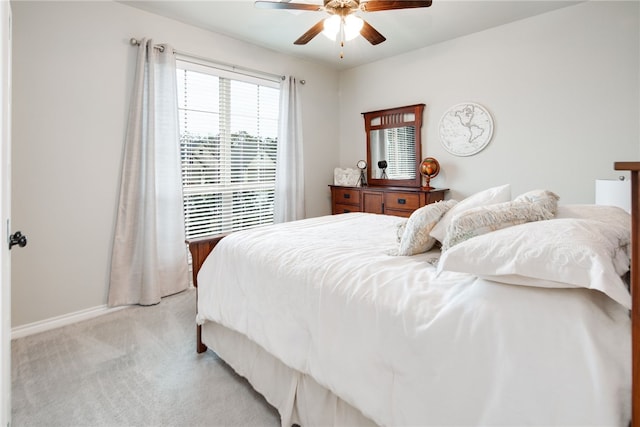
[400,231]
[545,198]
[537,205]
[486,197]
[415,238]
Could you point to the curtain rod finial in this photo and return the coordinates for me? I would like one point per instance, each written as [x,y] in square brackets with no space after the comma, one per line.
[134,41]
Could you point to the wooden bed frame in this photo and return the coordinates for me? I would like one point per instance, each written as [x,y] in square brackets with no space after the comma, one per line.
[201,247]
[634,169]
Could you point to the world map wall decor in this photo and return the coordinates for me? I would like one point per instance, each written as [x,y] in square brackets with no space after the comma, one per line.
[465,129]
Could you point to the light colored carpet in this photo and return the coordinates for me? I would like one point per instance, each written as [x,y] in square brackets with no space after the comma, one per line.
[134,367]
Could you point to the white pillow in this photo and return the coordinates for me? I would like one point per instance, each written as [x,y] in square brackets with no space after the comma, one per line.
[609,214]
[486,197]
[559,253]
[597,212]
[415,238]
[485,219]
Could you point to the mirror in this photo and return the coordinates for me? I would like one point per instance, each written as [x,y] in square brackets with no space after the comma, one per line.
[394,146]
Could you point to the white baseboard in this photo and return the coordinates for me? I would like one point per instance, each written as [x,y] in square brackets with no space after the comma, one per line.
[63,320]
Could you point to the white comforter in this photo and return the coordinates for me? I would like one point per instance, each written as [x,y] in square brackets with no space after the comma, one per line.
[406,348]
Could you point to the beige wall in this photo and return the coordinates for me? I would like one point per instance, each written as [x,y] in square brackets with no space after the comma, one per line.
[563,89]
[72,74]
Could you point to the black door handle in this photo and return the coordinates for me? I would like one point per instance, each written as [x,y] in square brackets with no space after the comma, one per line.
[17,239]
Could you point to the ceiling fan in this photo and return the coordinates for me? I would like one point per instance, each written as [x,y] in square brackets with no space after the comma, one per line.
[342,19]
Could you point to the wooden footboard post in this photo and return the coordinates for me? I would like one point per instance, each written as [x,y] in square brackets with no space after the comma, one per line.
[200,249]
[200,347]
[634,168]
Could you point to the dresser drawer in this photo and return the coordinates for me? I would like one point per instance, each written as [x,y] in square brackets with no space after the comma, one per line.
[398,212]
[346,196]
[401,201]
[434,196]
[342,208]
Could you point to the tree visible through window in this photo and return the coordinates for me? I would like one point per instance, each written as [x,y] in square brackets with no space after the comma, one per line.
[228,141]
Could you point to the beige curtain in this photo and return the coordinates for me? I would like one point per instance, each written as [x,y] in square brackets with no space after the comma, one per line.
[289,192]
[149,257]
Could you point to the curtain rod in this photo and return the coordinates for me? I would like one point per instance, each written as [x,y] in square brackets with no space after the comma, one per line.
[136,42]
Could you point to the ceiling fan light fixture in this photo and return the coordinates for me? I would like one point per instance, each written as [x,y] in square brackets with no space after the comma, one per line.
[342,24]
[351,25]
[332,27]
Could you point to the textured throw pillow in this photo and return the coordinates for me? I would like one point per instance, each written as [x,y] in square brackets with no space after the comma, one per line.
[486,197]
[537,205]
[559,253]
[545,198]
[400,231]
[415,238]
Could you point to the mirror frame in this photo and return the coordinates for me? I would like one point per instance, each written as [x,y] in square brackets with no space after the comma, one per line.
[393,118]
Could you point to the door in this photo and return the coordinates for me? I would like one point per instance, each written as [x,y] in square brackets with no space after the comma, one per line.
[5,212]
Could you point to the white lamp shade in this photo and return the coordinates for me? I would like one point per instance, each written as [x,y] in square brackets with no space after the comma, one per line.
[331,27]
[351,25]
[614,192]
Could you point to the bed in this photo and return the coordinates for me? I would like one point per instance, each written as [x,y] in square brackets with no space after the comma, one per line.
[335,321]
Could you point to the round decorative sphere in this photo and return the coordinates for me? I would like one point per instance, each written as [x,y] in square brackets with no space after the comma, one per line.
[429,167]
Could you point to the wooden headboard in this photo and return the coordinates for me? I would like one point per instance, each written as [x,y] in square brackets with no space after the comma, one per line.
[634,168]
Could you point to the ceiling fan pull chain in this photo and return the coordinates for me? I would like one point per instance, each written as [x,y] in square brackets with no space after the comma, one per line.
[342,23]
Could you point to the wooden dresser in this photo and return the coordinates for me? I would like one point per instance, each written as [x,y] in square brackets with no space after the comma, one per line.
[399,201]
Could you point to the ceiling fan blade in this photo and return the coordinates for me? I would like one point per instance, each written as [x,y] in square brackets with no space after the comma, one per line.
[311,33]
[371,34]
[265,4]
[377,5]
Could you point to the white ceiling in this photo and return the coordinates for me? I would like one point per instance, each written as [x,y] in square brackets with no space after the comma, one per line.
[405,30]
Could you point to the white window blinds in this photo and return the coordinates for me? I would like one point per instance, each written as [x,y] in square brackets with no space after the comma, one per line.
[401,152]
[228,140]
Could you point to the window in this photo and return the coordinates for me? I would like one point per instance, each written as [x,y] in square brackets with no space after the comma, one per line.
[228,141]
